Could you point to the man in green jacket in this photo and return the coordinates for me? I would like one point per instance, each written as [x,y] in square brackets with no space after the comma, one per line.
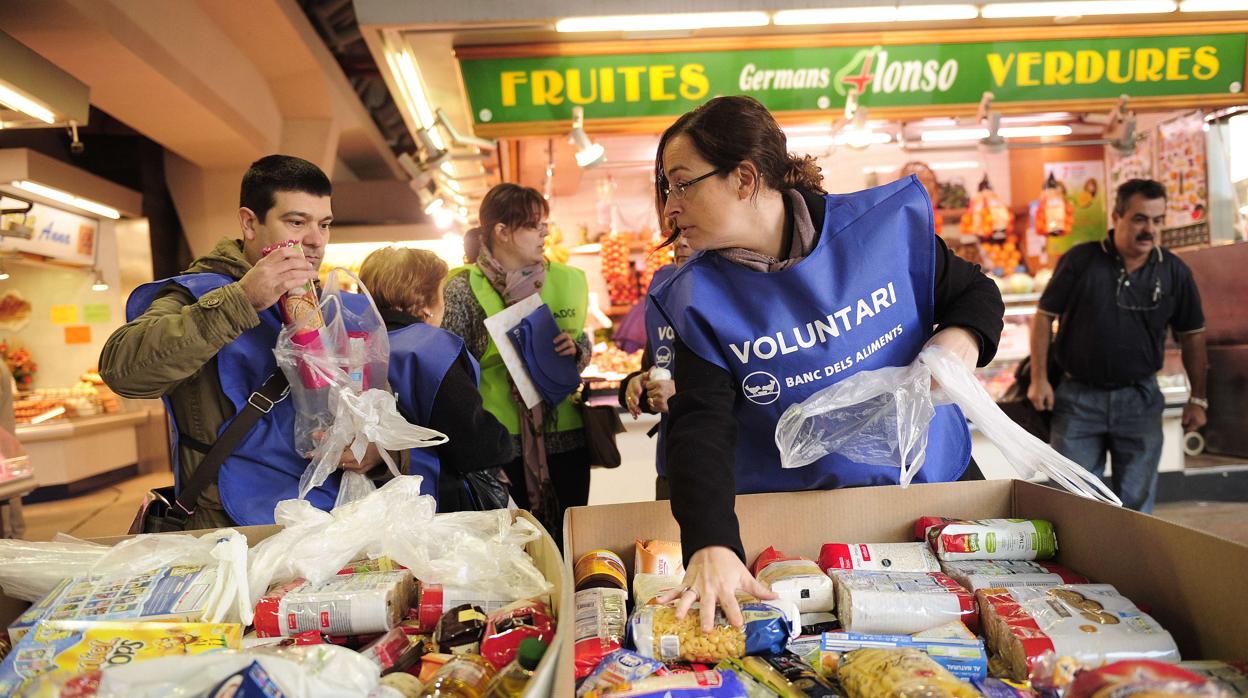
[172,350]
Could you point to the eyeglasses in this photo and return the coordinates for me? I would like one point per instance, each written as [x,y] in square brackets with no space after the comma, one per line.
[678,190]
[539,227]
[1124,282]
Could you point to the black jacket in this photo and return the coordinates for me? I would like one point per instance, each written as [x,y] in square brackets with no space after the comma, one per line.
[702,432]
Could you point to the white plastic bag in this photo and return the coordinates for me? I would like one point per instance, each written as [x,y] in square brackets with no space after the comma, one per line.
[30,570]
[310,671]
[481,551]
[881,417]
[337,377]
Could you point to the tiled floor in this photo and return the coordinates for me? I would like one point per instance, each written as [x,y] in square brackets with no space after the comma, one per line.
[109,511]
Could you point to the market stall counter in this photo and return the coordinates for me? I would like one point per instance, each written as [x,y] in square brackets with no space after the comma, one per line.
[1191,582]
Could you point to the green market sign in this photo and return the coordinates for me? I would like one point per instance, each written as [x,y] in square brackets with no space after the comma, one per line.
[513,90]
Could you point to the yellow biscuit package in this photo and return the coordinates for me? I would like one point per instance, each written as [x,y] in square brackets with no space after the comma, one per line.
[898,673]
[70,648]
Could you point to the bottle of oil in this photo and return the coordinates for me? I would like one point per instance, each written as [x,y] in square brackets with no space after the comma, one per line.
[514,678]
[465,676]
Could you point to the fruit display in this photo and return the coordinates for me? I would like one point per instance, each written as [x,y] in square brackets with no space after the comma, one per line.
[987,215]
[1056,215]
[1042,280]
[555,250]
[26,409]
[953,194]
[1001,257]
[21,364]
[611,362]
[618,271]
[656,259]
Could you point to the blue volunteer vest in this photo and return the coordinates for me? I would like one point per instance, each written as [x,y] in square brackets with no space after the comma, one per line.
[420,357]
[265,468]
[659,336]
[862,300]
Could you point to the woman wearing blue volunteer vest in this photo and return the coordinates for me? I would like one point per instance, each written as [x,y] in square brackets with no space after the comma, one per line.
[793,291]
[648,390]
[434,379]
[507,264]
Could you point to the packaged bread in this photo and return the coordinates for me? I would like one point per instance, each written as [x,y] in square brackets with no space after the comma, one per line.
[898,673]
[656,633]
[993,539]
[878,557]
[1090,623]
[901,603]
[983,574]
[795,579]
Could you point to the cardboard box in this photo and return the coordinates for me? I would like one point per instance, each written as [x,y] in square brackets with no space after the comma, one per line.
[543,551]
[1195,584]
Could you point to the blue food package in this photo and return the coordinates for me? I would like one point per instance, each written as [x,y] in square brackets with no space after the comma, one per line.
[656,633]
[996,688]
[617,669]
[962,654]
[697,684]
[252,682]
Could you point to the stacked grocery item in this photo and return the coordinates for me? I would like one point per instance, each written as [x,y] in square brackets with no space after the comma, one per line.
[466,613]
[971,608]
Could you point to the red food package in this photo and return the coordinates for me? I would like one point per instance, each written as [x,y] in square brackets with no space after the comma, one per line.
[394,651]
[1139,677]
[601,616]
[925,522]
[508,626]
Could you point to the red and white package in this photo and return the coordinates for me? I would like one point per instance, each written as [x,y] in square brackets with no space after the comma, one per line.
[436,599]
[925,522]
[878,557]
[353,604]
[986,574]
[508,626]
[1140,678]
[901,603]
[601,617]
[394,651]
[795,579]
[1088,623]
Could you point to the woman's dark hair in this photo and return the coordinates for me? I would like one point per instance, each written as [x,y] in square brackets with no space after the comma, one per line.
[510,204]
[274,173]
[727,131]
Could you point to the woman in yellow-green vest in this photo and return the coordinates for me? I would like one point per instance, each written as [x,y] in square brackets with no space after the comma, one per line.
[506,265]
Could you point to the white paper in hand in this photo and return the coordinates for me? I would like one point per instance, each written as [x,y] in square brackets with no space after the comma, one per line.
[498,325]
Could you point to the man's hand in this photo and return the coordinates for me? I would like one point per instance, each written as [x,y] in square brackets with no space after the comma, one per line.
[278,272]
[1041,395]
[565,345]
[1193,417]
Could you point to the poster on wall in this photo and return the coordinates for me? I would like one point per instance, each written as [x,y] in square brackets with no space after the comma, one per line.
[1083,183]
[53,233]
[1181,166]
[14,311]
[1137,165]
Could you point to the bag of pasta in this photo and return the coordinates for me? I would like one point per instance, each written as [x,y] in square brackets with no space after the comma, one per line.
[656,633]
[898,673]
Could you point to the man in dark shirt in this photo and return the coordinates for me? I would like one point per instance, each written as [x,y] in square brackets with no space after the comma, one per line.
[1114,300]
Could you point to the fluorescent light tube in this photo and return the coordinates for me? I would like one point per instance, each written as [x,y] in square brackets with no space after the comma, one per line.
[67,198]
[672,22]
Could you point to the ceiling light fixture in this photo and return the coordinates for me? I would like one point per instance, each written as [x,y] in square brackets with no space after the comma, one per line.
[4,273]
[1076,8]
[68,199]
[17,101]
[875,14]
[1211,6]
[669,22]
[588,153]
[100,284]
[955,135]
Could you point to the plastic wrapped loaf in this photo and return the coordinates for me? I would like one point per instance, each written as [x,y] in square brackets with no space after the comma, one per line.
[986,574]
[901,603]
[1091,623]
[898,673]
[657,634]
[879,557]
[994,539]
[795,579]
